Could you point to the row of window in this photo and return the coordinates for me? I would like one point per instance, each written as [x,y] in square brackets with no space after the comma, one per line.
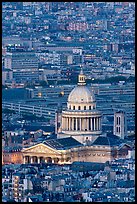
[85,108]
[98,154]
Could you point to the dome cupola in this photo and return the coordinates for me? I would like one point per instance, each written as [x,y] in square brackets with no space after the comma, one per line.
[81,94]
[81,78]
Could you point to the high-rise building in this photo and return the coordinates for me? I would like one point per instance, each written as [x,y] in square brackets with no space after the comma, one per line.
[120,124]
[24,65]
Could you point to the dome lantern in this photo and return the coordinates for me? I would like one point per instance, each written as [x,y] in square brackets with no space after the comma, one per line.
[81,78]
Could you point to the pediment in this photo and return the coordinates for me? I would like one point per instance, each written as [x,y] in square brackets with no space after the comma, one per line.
[124,146]
[40,148]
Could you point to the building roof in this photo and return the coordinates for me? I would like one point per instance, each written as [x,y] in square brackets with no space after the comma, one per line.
[12,149]
[38,127]
[92,166]
[13,127]
[62,143]
[107,141]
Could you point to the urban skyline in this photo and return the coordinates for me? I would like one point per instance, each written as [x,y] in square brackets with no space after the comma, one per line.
[68,101]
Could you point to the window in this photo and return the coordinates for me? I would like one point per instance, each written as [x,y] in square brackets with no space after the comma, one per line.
[78,107]
[73,107]
[69,107]
[84,107]
[117,120]
[89,107]
[117,129]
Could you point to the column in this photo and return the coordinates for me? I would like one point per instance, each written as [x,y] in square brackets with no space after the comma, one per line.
[78,120]
[88,121]
[64,119]
[97,123]
[31,160]
[72,123]
[38,160]
[45,160]
[24,160]
[63,123]
[100,123]
[80,124]
[94,123]
[66,123]
[84,124]
[28,159]
[91,123]
[52,161]
[76,123]
[69,123]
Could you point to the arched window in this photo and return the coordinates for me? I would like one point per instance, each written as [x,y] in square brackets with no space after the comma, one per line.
[78,107]
[84,107]
[117,129]
[73,107]
[89,107]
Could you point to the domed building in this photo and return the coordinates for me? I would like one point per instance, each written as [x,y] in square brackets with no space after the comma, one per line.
[81,120]
[79,134]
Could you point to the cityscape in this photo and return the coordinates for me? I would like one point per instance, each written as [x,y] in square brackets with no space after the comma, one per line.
[68,102]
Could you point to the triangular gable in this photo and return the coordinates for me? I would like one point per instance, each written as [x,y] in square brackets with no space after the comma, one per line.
[40,148]
[124,145]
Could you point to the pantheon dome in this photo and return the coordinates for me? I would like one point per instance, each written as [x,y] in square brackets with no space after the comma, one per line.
[81,120]
[81,94]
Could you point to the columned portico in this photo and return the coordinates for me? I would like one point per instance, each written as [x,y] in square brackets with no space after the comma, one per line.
[30,160]
[80,124]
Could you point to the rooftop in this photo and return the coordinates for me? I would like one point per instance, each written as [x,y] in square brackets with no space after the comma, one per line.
[63,143]
[110,140]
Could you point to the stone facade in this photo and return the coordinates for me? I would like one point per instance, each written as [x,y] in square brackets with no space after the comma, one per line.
[12,157]
[101,153]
